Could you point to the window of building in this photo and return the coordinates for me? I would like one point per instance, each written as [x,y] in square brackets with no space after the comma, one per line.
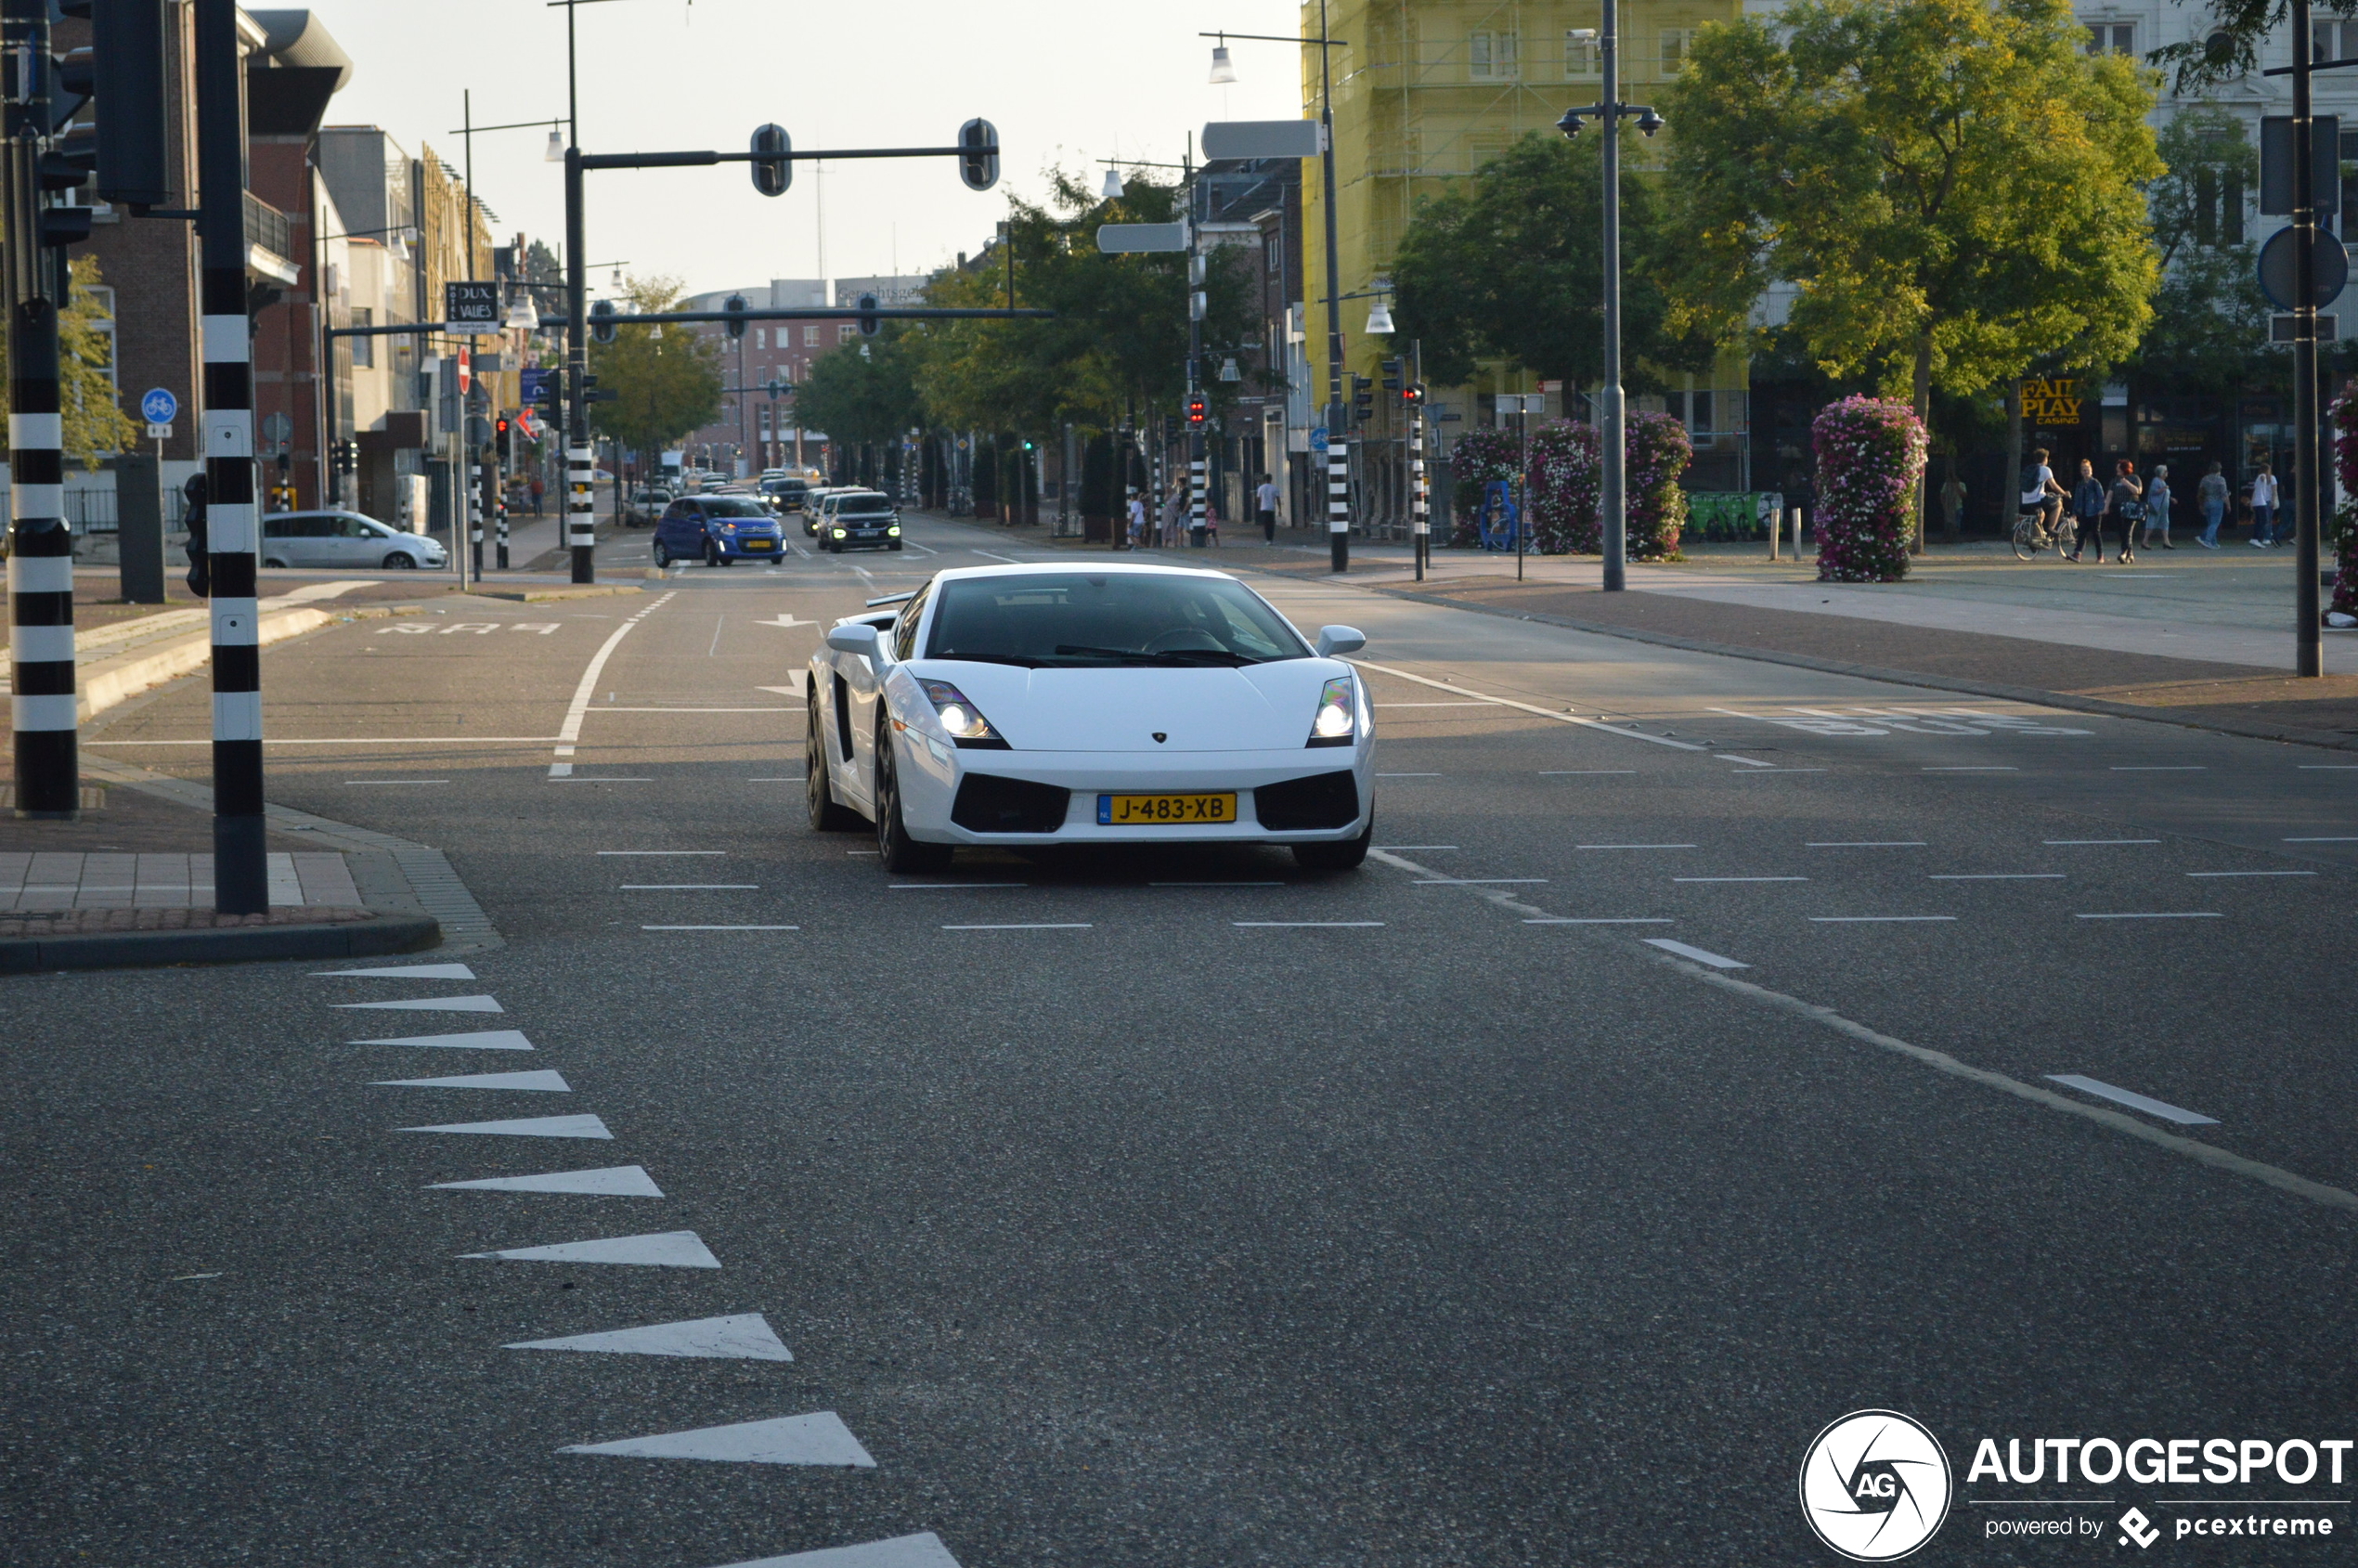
[1584,58]
[810,336]
[1272,252]
[844,331]
[1490,57]
[102,298]
[2112,38]
[761,337]
[364,350]
[2332,40]
[2218,206]
[1482,146]
[1677,44]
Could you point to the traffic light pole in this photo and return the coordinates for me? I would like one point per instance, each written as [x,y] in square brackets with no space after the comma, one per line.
[45,746]
[1338,451]
[1422,525]
[2308,471]
[581,528]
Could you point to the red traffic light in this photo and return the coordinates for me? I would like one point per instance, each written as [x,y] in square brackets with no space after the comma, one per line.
[1412,395]
[1196,410]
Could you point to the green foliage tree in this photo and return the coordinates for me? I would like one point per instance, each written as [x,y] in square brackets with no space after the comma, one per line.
[2230,47]
[2210,320]
[866,391]
[1954,187]
[667,384]
[1507,264]
[95,425]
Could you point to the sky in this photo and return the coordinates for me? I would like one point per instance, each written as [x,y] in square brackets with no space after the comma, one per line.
[1066,82]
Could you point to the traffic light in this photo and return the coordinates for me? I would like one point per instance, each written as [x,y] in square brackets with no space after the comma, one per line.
[1391,375]
[123,70]
[1198,411]
[503,436]
[1413,396]
[735,305]
[979,161]
[773,169]
[869,325]
[551,400]
[1363,400]
[602,332]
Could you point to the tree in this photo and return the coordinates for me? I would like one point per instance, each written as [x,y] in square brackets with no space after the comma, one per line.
[667,385]
[1507,264]
[862,392]
[95,425]
[2211,321]
[2232,46]
[1952,186]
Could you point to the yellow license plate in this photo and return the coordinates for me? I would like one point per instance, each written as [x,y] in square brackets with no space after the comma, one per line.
[757,544]
[1164,810]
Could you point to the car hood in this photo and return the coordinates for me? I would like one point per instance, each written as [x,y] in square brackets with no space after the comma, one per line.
[1256,707]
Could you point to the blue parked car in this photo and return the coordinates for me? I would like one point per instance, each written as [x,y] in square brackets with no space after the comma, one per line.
[719,530]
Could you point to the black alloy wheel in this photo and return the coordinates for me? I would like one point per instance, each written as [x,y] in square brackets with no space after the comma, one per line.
[1346,856]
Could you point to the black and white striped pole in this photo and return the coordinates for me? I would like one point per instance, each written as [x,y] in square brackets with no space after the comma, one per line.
[40,546]
[240,870]
[1419,495]
[1339,492]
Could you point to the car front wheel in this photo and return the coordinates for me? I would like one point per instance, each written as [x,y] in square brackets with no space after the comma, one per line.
[662,556]
[1346,856]
[397,562]
[899,851]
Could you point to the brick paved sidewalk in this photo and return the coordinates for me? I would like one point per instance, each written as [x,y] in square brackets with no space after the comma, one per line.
[46,881]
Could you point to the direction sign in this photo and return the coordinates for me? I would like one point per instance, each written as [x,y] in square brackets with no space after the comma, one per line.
[1261,138]
[1132,238]
[158,405]
[1319,439]
[278,431]
[471,308]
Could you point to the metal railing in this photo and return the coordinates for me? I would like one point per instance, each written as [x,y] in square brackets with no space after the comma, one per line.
[269,227]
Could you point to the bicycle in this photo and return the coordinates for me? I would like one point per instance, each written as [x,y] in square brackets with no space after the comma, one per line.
[2031,535]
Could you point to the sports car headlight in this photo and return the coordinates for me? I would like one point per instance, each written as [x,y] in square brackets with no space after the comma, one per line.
[1337,722]
[962,718]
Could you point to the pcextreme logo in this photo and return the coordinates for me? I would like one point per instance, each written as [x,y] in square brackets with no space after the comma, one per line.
[1875,1485]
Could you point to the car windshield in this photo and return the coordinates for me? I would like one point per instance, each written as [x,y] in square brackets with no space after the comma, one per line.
[735,506]
[1082,621]
[861,505]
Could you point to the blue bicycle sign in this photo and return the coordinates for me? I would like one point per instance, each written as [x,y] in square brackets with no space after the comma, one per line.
[160,405]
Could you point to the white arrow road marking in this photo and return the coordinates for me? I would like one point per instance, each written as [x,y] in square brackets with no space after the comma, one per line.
[924,1551]
[526,1127]
[820,1438]
[614,1180]
[476,1040]
[782,619]
[430,1005]
[670,1249]
[405,972]
[747,1336]
[553,1083]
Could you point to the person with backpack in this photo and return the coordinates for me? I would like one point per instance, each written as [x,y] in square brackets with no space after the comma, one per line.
[2211,496]
[2124,510]
[2158,507]
[2088,511]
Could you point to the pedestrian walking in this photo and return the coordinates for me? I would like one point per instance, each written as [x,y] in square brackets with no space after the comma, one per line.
[2210,497]
[2263,506]
[2088,512]
[1264,500]
[1952,502]
[1210,520]
[2124,510]
[1137,520]
[539,488]
[2158,507]
[2283,534]
[1175,509]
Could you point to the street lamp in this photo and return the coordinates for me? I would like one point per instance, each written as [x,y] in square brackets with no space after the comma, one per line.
[1224,71]
[555,151]
[1609,111]
[1380,320]
[1113,186]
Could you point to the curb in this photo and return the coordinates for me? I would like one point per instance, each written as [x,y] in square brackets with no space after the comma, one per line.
[540,595]
[124,950]
[104,682]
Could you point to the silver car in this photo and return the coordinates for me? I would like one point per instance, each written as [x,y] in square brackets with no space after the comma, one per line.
[344,541]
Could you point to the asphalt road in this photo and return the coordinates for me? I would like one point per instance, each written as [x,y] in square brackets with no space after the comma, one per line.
[1180,1211]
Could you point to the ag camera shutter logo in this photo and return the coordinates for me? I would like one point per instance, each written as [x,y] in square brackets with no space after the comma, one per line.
[1875,1485]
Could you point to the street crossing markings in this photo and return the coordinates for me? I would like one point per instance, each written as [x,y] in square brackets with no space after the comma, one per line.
[820,1438]
[1996,876]
[1604,920]
[401,972]
[1869,844]
[1739,879]
[2251,874]
[924,1551]
[473,1040]
[746,1336]
[427,1004]
[612,1180]
[547,1082]
[1874,919]
[1310,924]
[526,1127]
[1039,928]
[2071,842]
[2135,1101]
[669,1249]
[2159,914]
[1715,960]
[720,927]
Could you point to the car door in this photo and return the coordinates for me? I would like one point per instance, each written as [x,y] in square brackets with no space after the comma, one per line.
[351,542]
[311,543]
[671,530]
[858,691]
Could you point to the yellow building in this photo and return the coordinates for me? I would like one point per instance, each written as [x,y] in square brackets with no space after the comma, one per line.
[1428,90]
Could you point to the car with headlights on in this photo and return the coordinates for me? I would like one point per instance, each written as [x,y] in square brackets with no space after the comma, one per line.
[854,519]
[1024,706]
[719,530]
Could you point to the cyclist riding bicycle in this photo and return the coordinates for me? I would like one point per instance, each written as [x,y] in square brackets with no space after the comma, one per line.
[2041,495]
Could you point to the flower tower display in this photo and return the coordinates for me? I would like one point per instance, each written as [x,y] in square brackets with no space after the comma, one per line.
[1656,452]
[1565,483]
[1480,457]
[2344,536]
[1871,458]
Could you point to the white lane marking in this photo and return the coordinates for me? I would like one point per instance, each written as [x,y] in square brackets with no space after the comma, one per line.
[1527,707]
[426,1004]
[776,781]
[690,887]
[922,1550]
[1633,846]
[2164,914]
[1042,927]
[1778,771]
[1996,876]
[1874,919]
[403,972]
[929,886]
[1872,844]
[1416,845]
[744,1336]
[663,851]
[987,556]
[871,853]
[2188,767]
[2329,767]
[1409,775]
[610,708]
[2130,1098]
[613,1181]
[792,689]
[720,927]
[1310,924]
[2251,874]
[556,777]
[1748,762]
[1988,769]
[1477,702]
[548,1081]
[1477,881]
[473,1040]
[1613,920]
[354,784]
[559,769]
[669,1249]
[820,1438]
[2322,840]
[361,740]
[1698,955]
[1215,883]
[570,731]
[1739,879]
[1580,772]
[2073,841]
[526,1127]
[717,622]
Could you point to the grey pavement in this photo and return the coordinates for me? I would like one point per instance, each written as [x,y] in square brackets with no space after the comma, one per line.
[1427,1215]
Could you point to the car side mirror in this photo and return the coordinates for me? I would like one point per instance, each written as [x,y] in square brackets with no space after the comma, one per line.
[1333,639]
[853,639]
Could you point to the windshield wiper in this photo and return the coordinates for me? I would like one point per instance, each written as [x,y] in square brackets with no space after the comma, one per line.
[1018,660]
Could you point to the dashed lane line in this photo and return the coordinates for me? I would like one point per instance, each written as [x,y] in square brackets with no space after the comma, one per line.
[2158,914]
[1532,708]
[1700,955]
[2251,874]
[720,927]
[1874,919]
[2135,1101]
[1309,924]
[1739,879]
[2068,843]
